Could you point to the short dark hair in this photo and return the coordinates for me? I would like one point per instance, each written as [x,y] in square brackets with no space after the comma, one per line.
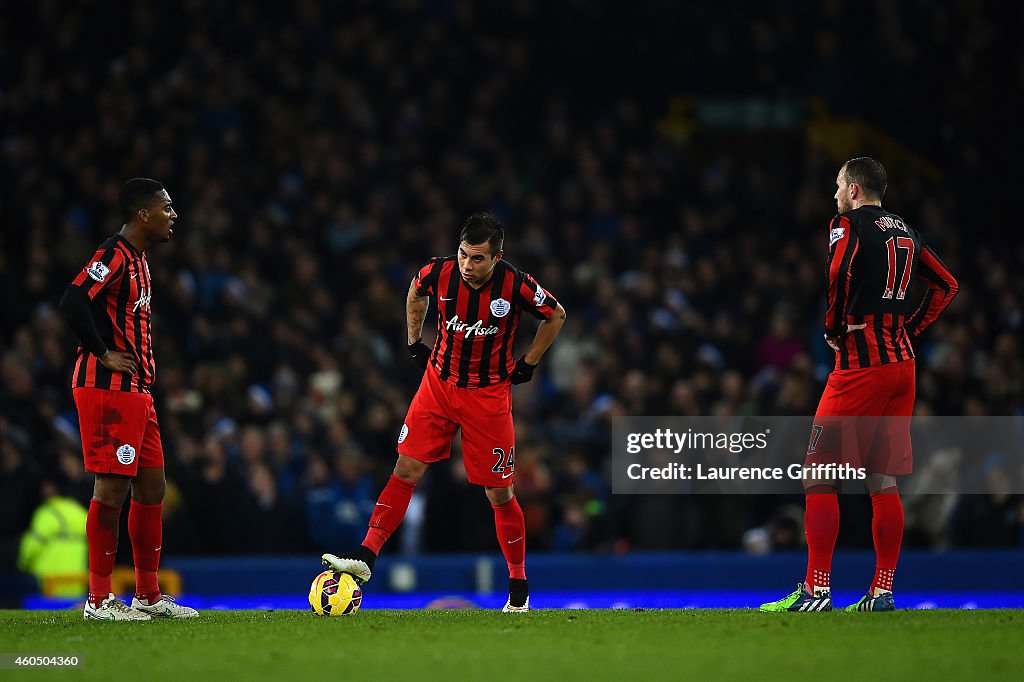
[869,174]
[483,227]
[136,194]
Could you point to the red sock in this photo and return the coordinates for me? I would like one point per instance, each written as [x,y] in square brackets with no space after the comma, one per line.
[389,512]
[821,525]
[511,528]
[101,529]
[887,531]
[146,529]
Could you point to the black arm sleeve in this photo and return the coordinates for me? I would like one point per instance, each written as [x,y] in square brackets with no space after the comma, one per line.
[74,305]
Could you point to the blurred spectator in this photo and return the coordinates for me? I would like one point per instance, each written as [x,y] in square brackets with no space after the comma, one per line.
[54,546]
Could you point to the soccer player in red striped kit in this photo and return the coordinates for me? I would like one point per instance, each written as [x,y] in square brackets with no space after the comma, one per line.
[108,307]
[863,418]
[466,384]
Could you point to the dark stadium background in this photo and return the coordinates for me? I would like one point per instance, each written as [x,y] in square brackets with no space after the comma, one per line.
[665,169]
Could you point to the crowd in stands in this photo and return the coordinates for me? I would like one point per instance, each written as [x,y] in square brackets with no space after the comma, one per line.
[318,154]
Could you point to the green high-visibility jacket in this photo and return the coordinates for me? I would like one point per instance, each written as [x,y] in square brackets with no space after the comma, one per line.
[55,543]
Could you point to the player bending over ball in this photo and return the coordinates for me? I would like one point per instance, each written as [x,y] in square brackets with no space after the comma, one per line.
[467,384]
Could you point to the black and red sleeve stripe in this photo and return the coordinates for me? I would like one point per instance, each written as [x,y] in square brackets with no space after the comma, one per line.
[941,288]
[426,279]
[533,298]
[842,250]
[102,270]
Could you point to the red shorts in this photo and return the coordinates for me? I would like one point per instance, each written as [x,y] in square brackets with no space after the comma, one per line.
[863,419]
[485,415]
[119,431]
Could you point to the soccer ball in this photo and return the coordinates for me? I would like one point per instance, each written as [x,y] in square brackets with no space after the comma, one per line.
[335,594]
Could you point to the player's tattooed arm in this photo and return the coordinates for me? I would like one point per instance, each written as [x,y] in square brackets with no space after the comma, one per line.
[415,313]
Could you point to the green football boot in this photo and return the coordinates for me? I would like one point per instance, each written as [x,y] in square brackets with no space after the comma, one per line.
[882,602]
[800,600]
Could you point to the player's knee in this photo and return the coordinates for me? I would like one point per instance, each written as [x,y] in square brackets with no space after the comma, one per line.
[157,492]
[409,470]
[881,483]
[499,495]
[110,490]
[152,494]
[149,488]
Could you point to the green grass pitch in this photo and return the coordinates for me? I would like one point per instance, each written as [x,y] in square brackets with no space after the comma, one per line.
[544,644]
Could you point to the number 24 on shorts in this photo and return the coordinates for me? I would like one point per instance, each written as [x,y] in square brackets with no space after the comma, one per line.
[503,464]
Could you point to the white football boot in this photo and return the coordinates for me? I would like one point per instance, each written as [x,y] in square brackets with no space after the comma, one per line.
[164,608]
[113,608]
[357,568]
[516,609]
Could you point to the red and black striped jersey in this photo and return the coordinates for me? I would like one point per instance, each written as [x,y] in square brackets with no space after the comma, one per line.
[116,280]
[476,327]
[873,258]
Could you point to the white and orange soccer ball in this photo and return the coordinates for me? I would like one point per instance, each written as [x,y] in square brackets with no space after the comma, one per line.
[335,594]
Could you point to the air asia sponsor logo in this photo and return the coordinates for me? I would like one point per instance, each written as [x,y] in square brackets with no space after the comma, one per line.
[143,302]
[500,307]
[458,326]
[98,271]
[889,223]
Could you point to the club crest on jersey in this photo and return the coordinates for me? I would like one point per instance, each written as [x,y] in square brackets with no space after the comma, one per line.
[500,307]
[458,326]
[126,454]
[98,271]
[835,235]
